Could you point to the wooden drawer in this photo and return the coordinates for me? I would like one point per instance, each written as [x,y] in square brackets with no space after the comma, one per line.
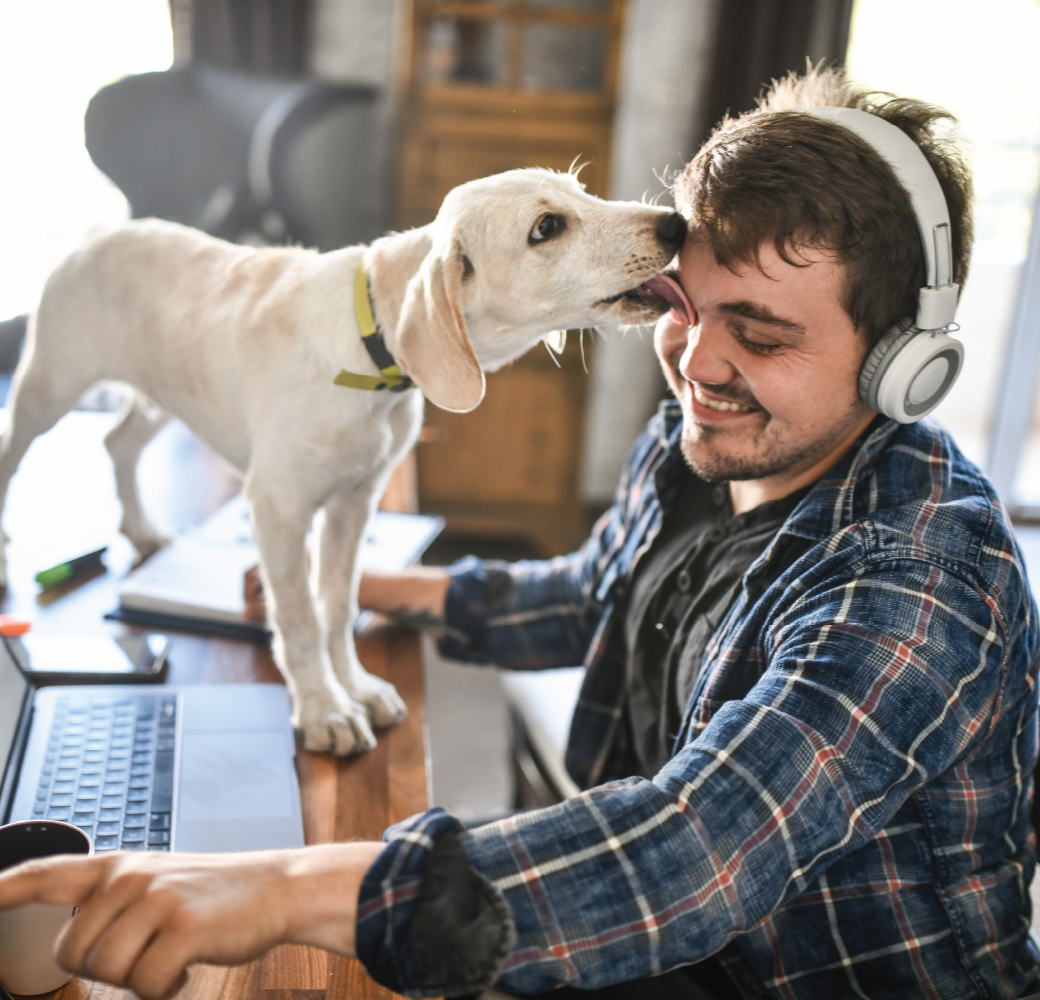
[511,466]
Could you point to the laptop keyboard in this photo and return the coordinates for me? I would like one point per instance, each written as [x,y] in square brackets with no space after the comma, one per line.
[109,769]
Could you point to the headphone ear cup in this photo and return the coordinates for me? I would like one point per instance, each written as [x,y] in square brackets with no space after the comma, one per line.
[880,357]
[909,372]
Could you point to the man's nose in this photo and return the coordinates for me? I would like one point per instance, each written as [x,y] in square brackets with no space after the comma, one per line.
[704,358]
[671,232]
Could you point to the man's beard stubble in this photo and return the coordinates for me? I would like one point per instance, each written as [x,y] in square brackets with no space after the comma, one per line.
[764,460]
[720,467]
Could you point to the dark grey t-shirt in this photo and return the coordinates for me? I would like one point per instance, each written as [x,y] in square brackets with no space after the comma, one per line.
[681,591]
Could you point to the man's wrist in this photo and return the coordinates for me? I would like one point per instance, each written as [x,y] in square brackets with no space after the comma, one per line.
[320,893]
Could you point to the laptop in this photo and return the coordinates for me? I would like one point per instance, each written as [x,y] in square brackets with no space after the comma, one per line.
[207,768]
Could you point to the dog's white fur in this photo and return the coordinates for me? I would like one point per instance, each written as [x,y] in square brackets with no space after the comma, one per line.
[242,345]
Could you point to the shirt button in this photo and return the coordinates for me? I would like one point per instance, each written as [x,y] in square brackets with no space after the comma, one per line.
[718,495]
[683,581]
[717,533]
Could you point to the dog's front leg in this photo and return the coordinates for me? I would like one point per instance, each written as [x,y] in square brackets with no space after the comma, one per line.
[326,716]
[338,572]
[139,421]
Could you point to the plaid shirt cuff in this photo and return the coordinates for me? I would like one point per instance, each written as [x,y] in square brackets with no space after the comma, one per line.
[465,612]
[428,924]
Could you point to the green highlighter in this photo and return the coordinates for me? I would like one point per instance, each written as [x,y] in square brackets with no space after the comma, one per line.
[67,570]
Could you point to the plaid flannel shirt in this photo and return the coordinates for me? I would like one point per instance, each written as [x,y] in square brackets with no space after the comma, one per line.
[855,824]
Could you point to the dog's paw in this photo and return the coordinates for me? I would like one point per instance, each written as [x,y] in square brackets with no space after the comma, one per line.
[385,707]
[340,727]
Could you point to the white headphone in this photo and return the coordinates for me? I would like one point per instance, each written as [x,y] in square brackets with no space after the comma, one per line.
[914,364]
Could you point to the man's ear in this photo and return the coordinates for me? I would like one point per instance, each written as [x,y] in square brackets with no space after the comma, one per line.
[432,344]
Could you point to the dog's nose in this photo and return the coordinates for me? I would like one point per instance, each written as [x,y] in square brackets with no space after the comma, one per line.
[671,231]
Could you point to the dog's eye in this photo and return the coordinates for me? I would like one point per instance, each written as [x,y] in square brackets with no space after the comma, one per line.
[548,226]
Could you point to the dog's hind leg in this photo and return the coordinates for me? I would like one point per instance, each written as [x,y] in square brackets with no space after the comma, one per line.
[342,525]
[42,392]
[139,421]
[328,719]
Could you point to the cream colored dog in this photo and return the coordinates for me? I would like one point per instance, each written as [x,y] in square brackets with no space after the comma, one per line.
[242,344]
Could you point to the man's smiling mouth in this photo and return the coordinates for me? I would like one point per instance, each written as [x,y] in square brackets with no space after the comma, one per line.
[719,404]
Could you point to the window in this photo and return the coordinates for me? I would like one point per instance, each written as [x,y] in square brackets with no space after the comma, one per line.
[978,60]
[54,54]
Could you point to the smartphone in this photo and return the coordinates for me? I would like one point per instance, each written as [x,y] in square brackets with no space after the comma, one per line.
[89,658]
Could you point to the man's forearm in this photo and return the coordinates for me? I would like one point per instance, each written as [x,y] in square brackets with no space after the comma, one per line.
[417,594]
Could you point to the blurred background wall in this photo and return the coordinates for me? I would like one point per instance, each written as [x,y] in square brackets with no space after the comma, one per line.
[666,62]
[362,41]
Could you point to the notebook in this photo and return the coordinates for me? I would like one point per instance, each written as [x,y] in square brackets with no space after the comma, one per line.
[196,582]
[207,768]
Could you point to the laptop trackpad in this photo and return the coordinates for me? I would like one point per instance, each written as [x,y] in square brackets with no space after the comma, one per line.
[236,792]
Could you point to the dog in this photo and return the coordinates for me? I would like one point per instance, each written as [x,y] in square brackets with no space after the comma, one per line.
[243,345]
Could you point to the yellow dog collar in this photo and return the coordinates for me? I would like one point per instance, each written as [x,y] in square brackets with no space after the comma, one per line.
[392,379]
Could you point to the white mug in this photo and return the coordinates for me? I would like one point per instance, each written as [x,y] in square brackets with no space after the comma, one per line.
[28,933]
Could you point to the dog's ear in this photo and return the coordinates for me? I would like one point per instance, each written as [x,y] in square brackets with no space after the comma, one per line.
[433,346]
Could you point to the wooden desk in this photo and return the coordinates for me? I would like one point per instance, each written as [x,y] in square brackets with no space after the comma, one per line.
[62,502]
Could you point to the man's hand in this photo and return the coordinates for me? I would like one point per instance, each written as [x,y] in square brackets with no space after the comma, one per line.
[146,917]
[253,592]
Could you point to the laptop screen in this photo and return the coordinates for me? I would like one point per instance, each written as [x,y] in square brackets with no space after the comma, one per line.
[13,689]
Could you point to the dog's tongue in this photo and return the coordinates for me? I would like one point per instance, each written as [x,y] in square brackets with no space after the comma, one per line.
[670,289]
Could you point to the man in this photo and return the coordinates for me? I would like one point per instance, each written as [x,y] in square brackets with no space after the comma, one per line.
[808,722]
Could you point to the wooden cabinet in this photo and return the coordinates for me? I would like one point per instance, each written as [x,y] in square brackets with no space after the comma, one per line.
[496,84]
[510,468]
[491,85]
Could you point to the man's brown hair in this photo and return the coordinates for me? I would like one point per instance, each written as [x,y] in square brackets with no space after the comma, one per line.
[800,181]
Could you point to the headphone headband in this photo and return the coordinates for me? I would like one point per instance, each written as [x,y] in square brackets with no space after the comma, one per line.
[911,368]
[937,301]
